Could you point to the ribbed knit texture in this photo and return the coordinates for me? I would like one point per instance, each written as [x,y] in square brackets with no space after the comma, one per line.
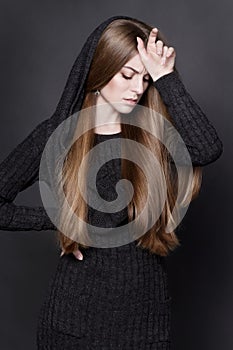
[116,298]
[197,132]
[106,181]
[20,168]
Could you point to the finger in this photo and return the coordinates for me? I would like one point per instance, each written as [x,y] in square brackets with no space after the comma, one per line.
[170,51]
[152,38]
[62,253]
[141,48]
[163,59]
[159,47]
[78,254]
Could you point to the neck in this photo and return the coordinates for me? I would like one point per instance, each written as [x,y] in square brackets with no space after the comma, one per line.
[107,119]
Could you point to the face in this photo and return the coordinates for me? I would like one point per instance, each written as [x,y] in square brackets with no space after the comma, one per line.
[127,86]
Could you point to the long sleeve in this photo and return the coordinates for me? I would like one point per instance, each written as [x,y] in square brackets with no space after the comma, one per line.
[19,170]
[197,132]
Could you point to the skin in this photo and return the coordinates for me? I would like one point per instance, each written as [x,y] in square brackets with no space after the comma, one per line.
[155,60]
[130,82]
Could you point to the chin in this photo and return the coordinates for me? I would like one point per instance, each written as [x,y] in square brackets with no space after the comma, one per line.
[125,109]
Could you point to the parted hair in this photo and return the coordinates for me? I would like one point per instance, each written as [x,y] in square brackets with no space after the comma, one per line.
[116,46]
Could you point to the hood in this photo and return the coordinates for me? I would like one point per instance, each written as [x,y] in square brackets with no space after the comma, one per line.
[73,93]
[59,128]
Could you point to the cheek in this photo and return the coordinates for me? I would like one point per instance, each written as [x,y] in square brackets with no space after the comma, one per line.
[117,86]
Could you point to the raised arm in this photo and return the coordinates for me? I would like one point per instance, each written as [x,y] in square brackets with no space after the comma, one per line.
[19,170]
[197,132]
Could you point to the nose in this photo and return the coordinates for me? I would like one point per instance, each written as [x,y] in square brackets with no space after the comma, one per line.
[137,85]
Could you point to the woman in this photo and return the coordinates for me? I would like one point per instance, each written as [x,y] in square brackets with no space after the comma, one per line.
[117,297]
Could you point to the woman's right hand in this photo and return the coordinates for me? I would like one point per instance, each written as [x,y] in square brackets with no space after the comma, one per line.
[77,253]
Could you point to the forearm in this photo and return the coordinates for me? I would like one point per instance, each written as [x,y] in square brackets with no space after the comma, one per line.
[23,218]
[197,132]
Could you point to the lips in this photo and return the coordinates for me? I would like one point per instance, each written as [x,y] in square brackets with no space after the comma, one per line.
[130,100]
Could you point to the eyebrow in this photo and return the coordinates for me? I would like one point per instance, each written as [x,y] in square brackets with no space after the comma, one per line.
[134,69]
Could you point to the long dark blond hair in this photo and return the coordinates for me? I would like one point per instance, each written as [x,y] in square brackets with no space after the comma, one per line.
[117,45]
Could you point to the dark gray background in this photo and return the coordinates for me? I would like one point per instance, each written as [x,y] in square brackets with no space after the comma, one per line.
[39,43]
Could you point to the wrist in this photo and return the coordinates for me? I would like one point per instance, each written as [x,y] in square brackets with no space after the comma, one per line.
[156,77]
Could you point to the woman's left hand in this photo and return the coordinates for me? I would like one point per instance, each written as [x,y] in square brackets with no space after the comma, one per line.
[157,58]
[77,253]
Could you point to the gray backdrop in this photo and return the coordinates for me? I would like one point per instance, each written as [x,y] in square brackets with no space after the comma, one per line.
[39,43]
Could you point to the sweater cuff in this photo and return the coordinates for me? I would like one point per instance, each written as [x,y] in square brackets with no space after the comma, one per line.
[172,78]
[169,76]
[170,84]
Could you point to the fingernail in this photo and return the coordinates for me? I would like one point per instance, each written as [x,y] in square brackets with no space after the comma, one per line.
[80,257]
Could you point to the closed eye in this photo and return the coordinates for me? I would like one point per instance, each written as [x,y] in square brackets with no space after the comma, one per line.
[127,78]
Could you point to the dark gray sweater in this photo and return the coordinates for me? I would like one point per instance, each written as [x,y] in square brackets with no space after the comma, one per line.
[116,298]
[19,169]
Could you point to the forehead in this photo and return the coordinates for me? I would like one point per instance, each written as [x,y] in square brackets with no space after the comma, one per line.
[136,63]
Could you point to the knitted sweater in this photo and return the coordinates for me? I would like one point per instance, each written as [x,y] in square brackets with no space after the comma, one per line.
[116,298]
[19,169]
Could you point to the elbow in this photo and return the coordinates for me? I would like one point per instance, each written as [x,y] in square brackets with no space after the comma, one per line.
[5,214]
[209,155]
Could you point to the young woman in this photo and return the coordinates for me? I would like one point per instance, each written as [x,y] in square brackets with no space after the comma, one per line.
[115,297]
